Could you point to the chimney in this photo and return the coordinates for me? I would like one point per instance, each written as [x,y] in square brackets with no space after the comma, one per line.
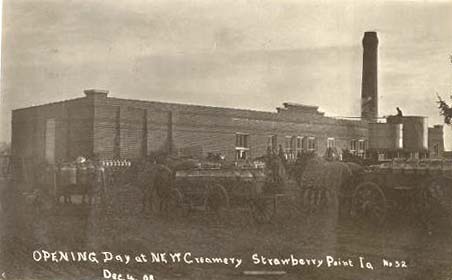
[369,86]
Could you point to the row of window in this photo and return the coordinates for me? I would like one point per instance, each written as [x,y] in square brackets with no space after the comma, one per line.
[291,142]
[358,145]
[294,144]
[299,143]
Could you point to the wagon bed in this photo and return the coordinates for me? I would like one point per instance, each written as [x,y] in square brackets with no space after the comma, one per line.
[420,187]
[423,167]
[216,188]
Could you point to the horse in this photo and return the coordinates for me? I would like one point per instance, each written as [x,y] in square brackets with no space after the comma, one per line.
[276,173]
[323,182]
[163,185]
[157,181]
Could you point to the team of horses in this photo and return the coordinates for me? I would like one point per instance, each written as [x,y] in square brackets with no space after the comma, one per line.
[320,180]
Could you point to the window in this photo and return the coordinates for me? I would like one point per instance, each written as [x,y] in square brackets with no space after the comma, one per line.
[330,143]
[289,147]
[436,149]
[358,147]
[361,145]
[241,140]
[288,143]
[311,144]
[241,146]
[299,144]
[272,142]
[353,145]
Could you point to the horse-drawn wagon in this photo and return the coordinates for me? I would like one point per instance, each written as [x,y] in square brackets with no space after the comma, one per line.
[79,181]
[420,187]
[85,179]
[415,189]
[217,189]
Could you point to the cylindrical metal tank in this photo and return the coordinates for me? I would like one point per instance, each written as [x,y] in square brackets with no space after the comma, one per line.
[415,132]
[67,175]
[385,136]
[85,173]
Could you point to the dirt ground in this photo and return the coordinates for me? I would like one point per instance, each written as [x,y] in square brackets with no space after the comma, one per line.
[123,229]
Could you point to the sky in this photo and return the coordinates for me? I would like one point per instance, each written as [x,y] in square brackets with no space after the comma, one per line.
[231,53]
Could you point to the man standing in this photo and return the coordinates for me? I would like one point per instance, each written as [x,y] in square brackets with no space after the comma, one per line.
[145,174]
[163,183]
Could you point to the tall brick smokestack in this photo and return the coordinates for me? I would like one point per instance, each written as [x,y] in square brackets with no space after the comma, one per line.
[369,86]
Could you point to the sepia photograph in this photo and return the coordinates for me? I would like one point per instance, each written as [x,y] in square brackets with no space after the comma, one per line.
[246,139]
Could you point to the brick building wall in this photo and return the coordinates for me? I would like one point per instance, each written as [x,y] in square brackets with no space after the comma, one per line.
[71,135]
[137,127]
[121,128]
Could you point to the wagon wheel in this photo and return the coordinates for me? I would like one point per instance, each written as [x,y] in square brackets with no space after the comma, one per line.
[432,202]
[369,204]
[217,198]
[175,204]
[263,209]
[170,206]
[315,199]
